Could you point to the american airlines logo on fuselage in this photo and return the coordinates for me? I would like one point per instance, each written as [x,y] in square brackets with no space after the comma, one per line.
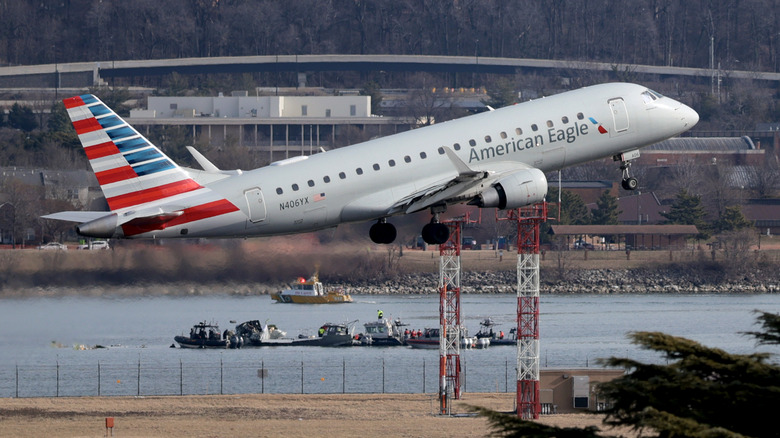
[568,135]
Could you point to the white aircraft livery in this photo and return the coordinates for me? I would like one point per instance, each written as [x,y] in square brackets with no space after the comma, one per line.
[495,159]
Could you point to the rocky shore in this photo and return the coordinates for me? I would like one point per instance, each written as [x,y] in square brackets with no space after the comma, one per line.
[584,281]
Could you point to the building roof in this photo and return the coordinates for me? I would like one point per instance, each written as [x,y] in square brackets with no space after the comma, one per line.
[604,230]
[640,207]
[703,144]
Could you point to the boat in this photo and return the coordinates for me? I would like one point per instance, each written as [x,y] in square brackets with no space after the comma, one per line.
[383,332]
[311,291]
[328,335]
[496,338]
[204,335]
[430,340]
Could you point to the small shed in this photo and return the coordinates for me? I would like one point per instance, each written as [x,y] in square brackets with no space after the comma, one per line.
[639,237]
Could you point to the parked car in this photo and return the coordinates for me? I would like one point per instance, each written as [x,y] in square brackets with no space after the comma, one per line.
[581,244]
[56,246]
[468,242]
[98,244]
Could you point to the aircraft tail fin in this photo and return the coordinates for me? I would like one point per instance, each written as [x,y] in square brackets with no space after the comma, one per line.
[130,169]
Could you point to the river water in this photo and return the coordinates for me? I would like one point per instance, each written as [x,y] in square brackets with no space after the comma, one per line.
[38,358]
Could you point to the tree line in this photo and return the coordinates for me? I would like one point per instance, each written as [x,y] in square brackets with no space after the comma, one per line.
[742,33]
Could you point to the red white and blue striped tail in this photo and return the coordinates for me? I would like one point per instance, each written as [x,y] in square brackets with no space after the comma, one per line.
[134,174]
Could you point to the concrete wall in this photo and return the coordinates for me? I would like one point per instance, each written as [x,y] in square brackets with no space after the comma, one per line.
[260,107]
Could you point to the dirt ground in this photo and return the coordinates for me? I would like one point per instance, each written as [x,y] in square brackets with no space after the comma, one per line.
[267,415]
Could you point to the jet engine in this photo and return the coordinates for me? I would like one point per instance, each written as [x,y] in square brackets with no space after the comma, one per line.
[518,189]
[104,227]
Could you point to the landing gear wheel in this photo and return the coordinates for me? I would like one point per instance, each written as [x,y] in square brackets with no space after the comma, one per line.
[630,183]
[435,233]
[382,232]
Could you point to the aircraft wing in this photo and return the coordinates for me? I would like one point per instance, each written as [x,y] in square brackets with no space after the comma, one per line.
[465,185]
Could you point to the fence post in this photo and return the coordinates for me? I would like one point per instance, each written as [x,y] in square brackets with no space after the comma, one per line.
[343,375]
[423,376]
[58,378]
[220,374]
[301,377]
[17,380]
[98,378]
[506,375]
[139,375]
[181,378]
[383,375]
[262,372]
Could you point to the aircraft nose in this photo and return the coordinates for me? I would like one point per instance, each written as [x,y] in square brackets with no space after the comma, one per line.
[688,116]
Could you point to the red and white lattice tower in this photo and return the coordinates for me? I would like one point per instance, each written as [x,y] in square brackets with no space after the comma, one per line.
[449,318]
[449,315]
[528,221]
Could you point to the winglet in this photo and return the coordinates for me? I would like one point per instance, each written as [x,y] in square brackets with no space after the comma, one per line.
[463,169]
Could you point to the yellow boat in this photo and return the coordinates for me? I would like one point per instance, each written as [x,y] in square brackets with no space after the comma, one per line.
[311,291]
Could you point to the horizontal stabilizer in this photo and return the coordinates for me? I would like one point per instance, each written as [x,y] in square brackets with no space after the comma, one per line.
[77,216]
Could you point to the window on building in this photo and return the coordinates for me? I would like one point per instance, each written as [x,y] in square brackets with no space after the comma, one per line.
[174,106]
[304,110]
[327,112]
[352,110]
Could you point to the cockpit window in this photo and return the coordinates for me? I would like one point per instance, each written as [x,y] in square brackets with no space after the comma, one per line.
[649,96]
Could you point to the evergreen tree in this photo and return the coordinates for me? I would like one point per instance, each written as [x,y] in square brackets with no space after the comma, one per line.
[732,219]
[687,209]
[372,89]
[606,212]
[502,93]
[572,209]
[22,117]
[699,392]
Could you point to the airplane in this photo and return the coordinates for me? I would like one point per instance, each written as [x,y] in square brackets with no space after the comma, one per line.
[494,159]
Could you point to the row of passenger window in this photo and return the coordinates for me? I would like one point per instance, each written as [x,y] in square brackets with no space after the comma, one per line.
[488,139]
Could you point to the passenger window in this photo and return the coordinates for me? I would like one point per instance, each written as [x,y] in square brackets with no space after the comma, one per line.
[326,178]
[550,124]
[518,131]
[456,146]
[488,139]
[580,116]
[441,151]
[311,183]
[503,135]
[279,191]
[472,142]
[295,187]
[534,127]
[565,120]
[408,159]
[376,166]
[342,175]
[391,163]
[423,155]
[359,171]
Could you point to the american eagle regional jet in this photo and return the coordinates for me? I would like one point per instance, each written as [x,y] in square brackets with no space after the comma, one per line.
[492,159]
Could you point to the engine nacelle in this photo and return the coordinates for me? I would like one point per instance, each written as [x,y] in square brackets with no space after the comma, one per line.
[521,188]
[104,227]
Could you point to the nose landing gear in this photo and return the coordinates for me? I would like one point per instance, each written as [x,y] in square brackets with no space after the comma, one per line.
[629,182]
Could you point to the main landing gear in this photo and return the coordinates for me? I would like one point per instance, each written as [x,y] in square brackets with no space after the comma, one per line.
[382,232]
[436,233]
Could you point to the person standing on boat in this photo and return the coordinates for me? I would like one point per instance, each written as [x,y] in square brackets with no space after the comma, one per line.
[379,314]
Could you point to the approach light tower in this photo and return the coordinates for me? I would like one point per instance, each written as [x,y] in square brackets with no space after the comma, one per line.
[528,221]
[449,315]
